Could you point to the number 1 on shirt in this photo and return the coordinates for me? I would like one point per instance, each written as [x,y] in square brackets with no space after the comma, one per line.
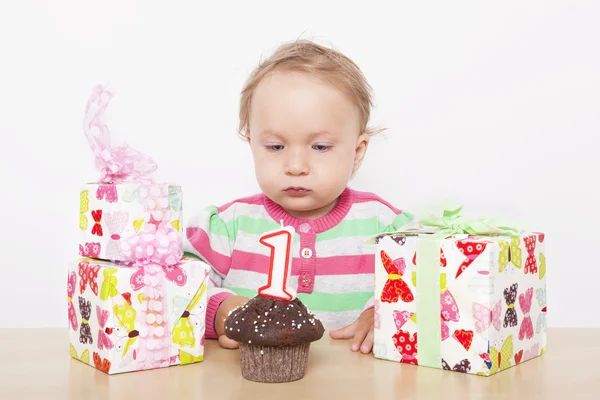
[280,264]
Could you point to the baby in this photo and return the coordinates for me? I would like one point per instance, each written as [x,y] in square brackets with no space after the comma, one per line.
[304,113]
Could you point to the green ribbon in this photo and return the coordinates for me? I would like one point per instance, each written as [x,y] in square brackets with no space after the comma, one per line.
[448,221]
[429,329]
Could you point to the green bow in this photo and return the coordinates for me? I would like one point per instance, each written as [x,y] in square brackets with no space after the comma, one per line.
[446,217]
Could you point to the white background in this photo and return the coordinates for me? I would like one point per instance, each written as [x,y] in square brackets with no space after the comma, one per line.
[493,104]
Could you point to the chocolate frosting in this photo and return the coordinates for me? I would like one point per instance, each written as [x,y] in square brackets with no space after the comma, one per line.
[264,321]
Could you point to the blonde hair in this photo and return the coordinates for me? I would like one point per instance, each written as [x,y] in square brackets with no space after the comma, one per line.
[328,64]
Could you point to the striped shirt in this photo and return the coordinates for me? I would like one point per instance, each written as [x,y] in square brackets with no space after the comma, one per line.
[332,268]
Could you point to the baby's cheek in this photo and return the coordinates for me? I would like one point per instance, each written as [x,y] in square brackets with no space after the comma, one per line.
[266,165]
[268,176]
[267,172]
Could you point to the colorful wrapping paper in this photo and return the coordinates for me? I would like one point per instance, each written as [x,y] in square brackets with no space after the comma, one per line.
[462,302]
[129,318]
[109,213]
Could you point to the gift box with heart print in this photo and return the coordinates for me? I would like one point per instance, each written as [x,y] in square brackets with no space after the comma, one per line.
[124,318]
[461,302]
[109,213]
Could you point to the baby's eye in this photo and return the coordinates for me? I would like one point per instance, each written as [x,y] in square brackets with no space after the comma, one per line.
[275,147]
[321,147]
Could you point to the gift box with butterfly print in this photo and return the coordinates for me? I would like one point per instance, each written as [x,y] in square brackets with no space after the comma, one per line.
[125,197]
[124,318]
[462,302]
[108,213]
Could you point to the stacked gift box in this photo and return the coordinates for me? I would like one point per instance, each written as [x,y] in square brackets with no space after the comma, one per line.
[466,295]
[134,301]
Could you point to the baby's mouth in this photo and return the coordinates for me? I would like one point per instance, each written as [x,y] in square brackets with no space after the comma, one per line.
[297,191]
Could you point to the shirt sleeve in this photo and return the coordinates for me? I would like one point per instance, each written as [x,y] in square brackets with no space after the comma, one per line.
[210,238]
[392,219]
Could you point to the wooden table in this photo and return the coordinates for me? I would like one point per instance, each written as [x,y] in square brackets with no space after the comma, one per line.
[35,364]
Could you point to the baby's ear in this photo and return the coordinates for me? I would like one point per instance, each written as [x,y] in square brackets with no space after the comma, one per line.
[362,144]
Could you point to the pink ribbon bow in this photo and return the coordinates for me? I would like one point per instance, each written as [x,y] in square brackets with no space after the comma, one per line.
[115,163]
[156,244]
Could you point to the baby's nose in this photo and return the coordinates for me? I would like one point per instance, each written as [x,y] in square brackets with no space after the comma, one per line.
[297,163]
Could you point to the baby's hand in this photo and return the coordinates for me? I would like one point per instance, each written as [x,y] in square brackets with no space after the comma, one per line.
[360,331]
[228,305]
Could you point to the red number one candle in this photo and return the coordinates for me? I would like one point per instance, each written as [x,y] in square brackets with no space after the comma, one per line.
[280,264]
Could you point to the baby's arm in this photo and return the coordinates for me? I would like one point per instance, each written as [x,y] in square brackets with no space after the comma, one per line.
[208,238]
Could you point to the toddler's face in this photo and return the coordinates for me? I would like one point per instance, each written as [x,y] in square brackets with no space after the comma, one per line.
[306,142]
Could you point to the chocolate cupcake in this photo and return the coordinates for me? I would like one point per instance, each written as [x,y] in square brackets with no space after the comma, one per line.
[274,338]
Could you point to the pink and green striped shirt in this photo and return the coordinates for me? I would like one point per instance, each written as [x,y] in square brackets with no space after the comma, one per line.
[332,268]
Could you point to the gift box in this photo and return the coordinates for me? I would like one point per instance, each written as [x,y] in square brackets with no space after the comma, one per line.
[460,295]
[144,306]
[128,318]
[125,197]
[108,213]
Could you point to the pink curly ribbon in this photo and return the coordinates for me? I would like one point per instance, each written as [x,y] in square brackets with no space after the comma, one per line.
[152,250]
[115,163]
[154,344]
